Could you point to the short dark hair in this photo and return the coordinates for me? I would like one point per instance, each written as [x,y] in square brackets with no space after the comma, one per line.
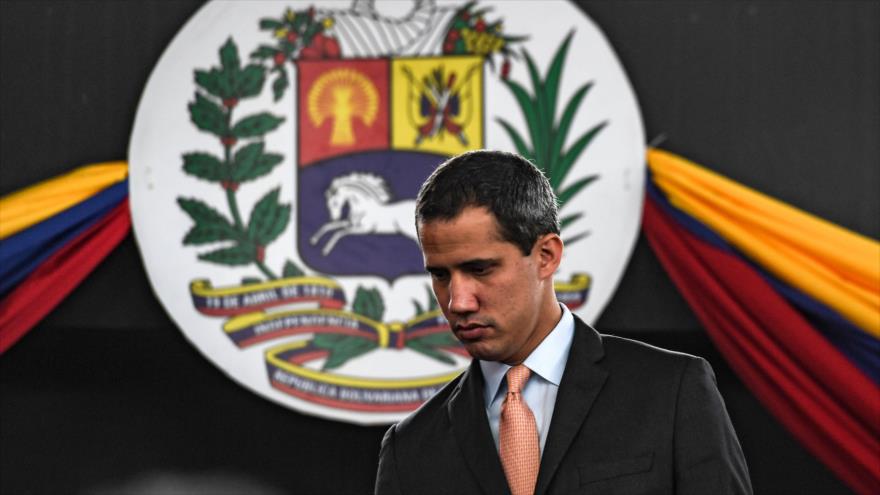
[509,186]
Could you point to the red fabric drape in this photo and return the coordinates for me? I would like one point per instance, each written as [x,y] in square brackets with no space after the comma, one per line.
[56,277]
[819,395]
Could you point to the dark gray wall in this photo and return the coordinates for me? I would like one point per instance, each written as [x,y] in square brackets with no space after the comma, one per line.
[782,96]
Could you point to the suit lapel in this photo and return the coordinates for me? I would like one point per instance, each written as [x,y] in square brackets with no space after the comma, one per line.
[580,385]
[467,414]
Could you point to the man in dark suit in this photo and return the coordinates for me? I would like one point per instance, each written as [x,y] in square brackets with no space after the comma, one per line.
[548,405]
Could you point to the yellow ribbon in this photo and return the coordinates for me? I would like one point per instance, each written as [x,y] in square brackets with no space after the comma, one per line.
[33,204]
[834,265]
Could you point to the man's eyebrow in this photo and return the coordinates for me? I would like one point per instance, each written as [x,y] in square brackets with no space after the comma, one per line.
[465,264]
[478,262]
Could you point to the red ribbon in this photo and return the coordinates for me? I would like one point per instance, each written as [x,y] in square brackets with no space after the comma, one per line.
[814,390]
[56,277]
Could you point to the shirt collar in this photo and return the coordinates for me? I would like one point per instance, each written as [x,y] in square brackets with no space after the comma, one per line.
[547,360]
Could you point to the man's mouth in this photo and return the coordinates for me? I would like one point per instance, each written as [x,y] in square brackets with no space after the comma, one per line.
[470,331]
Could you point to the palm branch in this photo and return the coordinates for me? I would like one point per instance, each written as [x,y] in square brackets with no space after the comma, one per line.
[546,135]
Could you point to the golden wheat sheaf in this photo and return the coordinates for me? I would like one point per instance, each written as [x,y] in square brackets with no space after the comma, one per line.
[343,95]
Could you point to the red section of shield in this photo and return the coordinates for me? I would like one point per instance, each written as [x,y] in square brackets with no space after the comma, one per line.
[343,107]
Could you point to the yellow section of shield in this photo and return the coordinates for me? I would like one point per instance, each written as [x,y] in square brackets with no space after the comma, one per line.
[437,104]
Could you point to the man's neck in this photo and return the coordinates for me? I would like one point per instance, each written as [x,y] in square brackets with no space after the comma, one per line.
[550,316]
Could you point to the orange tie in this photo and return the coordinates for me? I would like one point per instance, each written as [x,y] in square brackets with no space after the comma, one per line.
[518,436]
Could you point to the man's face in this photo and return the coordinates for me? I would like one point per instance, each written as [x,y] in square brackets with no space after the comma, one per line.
[493,296]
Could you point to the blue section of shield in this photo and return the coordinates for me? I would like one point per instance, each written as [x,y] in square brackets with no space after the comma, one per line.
[388,255]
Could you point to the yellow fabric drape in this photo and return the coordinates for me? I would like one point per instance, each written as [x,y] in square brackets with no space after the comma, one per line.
[23,208]
[835,266]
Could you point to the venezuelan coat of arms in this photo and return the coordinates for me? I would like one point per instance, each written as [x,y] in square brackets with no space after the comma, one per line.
[277,152]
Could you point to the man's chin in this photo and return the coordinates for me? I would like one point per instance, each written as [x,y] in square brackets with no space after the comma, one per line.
[481,351]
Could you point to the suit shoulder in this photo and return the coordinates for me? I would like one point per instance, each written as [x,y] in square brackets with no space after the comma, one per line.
[624,350]
[432,411]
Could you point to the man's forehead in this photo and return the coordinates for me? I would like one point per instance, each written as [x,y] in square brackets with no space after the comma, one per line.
[471,236]
[467,216]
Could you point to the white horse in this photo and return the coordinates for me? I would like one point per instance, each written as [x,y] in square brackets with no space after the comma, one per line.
[369,210]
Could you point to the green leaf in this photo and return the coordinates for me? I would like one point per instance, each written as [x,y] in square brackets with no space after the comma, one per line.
[250,81]
[514,39]
[298,21]
[269,24]
[342,347]
[226,83]
[432,301]
[230,71]
[205,166]
[534,77]
[570,191]
[229,56]
[279,85]
[430,351]
[268,218]
[209,81]
[209,233]
[210,225]
[527,107]
[312,30]
[245,159]
[565,122]
[256,125]
[570,156]
[291,270]
[568,220]
[418,307]
[266,163]
[541,139]
[568,241]
[554,74]
[251,163]
[521,146]
[368,302]
[240,254]
[200,212]
[251,281]
[208,116]
[264,51]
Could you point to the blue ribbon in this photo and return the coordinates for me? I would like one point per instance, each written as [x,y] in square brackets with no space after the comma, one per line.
[22,253]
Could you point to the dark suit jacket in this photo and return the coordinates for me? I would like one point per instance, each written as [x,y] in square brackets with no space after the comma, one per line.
[629,418]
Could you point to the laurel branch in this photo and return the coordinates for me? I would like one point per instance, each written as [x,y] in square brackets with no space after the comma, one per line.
[219,92]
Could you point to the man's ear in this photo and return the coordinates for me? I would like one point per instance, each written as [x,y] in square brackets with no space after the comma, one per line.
[549,250]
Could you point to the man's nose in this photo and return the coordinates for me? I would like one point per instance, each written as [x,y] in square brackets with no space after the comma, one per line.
[462,296]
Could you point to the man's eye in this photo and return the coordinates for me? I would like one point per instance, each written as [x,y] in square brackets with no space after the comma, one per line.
[480,269]
[438,274]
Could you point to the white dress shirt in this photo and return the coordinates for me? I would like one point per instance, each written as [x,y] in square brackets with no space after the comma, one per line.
[547,363]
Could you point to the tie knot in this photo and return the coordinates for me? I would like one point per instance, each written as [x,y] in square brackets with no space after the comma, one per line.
[517,377]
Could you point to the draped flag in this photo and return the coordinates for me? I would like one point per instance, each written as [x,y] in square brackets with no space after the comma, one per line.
[791,301]
[52,235]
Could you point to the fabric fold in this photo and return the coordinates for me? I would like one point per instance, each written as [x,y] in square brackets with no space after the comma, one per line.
[36,203]
[839,267]
[790,300]
[58,275]
[21,253]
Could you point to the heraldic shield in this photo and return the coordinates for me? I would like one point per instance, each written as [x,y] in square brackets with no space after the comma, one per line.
[291,186]
[369,132]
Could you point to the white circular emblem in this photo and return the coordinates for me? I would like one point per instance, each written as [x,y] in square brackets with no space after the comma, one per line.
[277,152]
